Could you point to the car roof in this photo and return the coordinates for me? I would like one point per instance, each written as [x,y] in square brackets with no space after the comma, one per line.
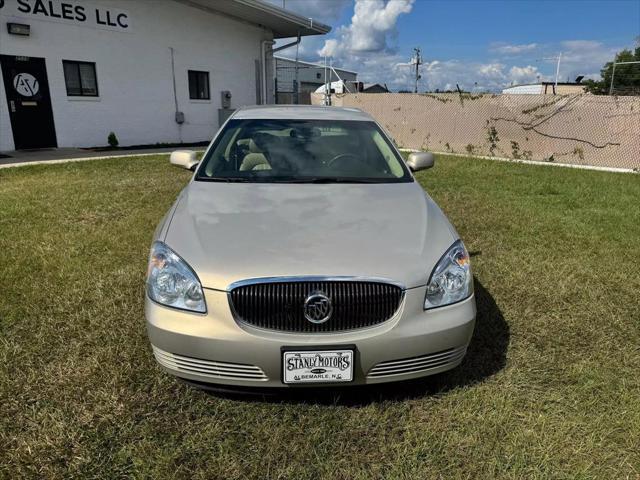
[300,112]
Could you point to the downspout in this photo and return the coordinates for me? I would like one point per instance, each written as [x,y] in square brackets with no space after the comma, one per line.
[179,116]
[297,81]
[264,48]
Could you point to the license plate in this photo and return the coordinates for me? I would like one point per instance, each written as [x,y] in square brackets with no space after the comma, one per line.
[317,366]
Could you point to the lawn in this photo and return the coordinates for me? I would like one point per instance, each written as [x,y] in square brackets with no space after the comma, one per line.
[550,387]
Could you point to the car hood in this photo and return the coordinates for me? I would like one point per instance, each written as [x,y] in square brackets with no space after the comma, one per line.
[236,231]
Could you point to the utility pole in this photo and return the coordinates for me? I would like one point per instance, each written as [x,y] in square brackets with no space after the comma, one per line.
[417,61]
[558,70]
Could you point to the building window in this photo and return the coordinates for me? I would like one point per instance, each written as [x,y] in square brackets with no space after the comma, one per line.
[199,85]
[80,78]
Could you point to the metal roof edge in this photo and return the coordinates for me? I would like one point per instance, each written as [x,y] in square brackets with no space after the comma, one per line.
[308,23]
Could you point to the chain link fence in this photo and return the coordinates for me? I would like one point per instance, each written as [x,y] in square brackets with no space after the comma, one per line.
[291,87]
[625,79]
[574,129]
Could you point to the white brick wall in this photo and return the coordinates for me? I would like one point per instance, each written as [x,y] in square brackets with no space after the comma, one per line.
[134,72]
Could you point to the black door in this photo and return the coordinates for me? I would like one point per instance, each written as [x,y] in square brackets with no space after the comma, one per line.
[27,87]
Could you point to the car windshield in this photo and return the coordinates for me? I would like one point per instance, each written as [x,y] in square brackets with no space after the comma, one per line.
[302,151]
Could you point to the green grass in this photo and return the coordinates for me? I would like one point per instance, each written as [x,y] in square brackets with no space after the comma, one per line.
[550,387]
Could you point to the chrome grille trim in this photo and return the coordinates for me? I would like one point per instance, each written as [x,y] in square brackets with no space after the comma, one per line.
[208,368]
[313,278]
[417,364]
[276,303]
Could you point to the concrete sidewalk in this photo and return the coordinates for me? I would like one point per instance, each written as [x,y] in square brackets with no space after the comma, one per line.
[61,155]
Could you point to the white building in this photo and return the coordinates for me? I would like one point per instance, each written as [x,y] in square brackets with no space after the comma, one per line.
[547,88]
[151,72]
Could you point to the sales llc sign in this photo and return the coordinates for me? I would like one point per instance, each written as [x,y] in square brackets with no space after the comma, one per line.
[80,13]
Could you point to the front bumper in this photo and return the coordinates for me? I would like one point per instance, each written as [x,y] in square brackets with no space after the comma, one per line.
[214,348]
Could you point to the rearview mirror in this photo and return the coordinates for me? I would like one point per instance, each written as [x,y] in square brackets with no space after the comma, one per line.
[420,161]
[184,158]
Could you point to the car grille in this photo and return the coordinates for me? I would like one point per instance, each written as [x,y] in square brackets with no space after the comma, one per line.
[417,364]
[280,305]
[208,368]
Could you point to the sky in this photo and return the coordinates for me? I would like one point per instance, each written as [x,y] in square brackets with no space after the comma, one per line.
[480,45]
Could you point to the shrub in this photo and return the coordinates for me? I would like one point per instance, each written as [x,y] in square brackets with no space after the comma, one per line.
[515,150]
[492,138]
[113,140]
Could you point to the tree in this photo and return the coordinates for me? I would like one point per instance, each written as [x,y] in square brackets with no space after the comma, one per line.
[113,140]
[626,79]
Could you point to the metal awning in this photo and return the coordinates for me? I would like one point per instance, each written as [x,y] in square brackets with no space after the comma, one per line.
[281,22]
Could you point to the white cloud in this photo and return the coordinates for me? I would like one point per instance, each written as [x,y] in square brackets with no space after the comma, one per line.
[490,70]
[330,48]
[528,74]
[373,21]
[444,75]
[372,25]
[581,45]
[506,49]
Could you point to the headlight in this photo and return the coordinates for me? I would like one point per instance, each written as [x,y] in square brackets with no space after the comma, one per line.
[171,282]
[451,280]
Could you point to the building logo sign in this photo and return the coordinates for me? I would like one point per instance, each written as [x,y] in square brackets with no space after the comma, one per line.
[26,84]
[68,11]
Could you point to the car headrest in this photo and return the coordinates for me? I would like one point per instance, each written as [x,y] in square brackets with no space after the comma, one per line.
[253,147]
[261,142]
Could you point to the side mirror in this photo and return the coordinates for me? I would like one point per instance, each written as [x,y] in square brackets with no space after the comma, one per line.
[420,161]
[184,158]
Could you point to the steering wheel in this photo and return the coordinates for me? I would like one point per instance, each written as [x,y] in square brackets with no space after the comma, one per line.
[342,157]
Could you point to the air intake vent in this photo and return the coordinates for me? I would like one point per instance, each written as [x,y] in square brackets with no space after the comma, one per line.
[207,368]
[417,364]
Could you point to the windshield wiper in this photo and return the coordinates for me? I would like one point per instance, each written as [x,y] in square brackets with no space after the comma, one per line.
[267,179]
[320,180]
[226,179]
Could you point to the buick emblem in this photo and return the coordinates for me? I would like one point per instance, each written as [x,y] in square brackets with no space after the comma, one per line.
[318,308]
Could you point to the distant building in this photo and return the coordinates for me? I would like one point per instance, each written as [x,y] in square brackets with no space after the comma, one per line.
[547,88]
[373,88]
[311,76]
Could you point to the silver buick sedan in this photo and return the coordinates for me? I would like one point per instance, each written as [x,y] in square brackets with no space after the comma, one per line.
[304,253]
